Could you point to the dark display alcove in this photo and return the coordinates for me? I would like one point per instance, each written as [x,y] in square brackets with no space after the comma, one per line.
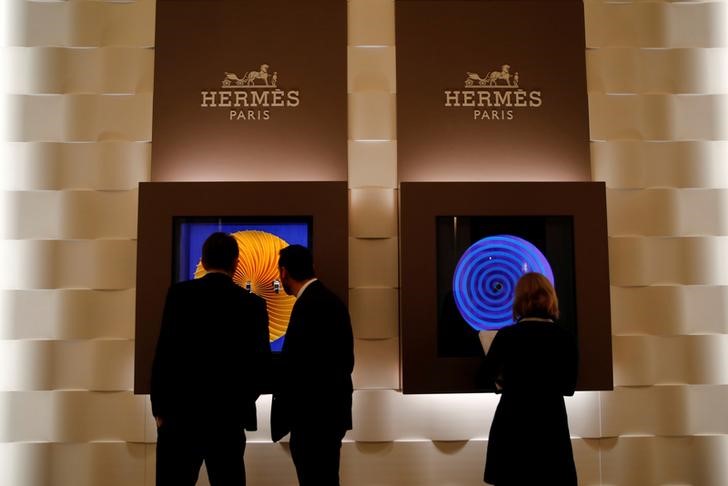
[317,211]
[564,221]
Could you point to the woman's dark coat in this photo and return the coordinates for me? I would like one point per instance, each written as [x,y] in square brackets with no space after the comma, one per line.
[535,362]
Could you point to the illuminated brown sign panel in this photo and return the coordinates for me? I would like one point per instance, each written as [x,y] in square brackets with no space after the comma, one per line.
[250,90]
[491,91]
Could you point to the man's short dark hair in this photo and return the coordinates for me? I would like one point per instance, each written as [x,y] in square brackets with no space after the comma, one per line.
[220,252]
[298,261]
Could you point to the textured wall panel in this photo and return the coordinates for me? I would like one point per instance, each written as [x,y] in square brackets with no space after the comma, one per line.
[632,164]
[80,118]
[388,415]
[374,312]
[665,411]
[668,212]
[636,261]
[45,70]
[101,166]
[658,117]
[68,214]
[414,463]
[377,364]
[71,416]
[38,464]
[371,22]
[670,310]
[637,461]
[81,24]
[372,116]
[384,415]
[656,24]
[630,70]
[372,69]
[99,365]
[66,314]
[372,213]
[373,164]
[639,360]
[48,264]
[373,263]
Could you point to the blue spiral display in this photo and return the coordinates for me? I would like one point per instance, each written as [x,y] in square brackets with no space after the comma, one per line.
[485,279]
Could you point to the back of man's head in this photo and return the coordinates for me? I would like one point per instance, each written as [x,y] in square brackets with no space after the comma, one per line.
[298,261]
[220,252]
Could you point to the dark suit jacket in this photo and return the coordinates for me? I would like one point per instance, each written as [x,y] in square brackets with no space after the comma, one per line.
[316,364]
[529,442]
[212,353]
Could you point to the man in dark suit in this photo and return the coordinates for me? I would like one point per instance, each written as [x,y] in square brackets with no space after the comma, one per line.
[314,401]
[212,348]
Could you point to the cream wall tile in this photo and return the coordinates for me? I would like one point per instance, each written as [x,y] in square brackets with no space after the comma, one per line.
[71,416]
[642,212]
[373,263]
[38,464]
[371,22]
[49,165]
[414,463]
[387,415]
[150,425]
[665,410]
[372,213]
[372,69]
[584,414]
[670,310]
[639,360]
[637,261]
[374,312]
[636,461]
[382,415]
[98,365]
[655,24]
[667,212]
[44,70]
[269,465]
[66,314]
[82,24]
[372,116]
[631,164]
[375,416]
[658,117]
[376,364]
[587,457]
[79,118]
[68,214]
[634,70]
[150,464]
[48,264]
[372,164]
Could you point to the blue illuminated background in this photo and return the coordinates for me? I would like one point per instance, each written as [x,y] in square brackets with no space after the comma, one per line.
[479,260]
[191,233]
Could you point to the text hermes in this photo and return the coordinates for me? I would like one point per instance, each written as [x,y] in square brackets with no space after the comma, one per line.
[493,96]
[250,96]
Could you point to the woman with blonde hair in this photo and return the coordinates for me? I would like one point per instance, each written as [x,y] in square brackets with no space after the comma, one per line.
[533,364]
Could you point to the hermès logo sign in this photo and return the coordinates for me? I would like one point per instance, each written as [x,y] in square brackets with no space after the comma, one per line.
[493,96]
[250,97]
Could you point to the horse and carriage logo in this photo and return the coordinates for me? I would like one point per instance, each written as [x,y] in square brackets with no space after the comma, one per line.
[252,79]
[493,79]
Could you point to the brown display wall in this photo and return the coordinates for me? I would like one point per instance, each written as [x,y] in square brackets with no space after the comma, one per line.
[424,369]
[250,90]
[326,203]
[491,91]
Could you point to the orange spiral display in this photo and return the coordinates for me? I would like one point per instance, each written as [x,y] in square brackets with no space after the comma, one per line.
[258,264]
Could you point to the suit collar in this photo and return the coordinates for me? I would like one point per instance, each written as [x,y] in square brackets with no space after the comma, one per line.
[304,287]
[219,276]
